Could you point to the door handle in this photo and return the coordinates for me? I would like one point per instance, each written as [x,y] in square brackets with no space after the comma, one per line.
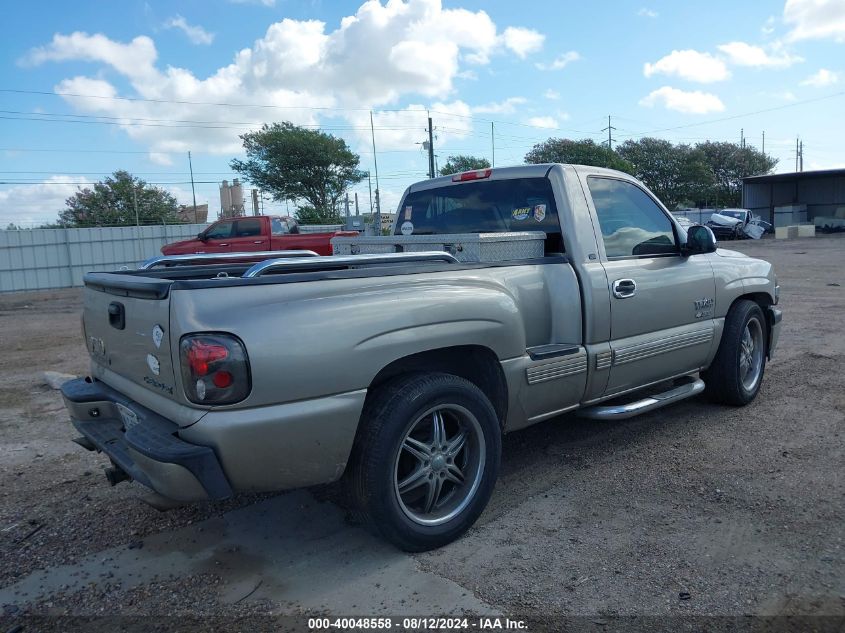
[222,244]
[624,288]
[258,242]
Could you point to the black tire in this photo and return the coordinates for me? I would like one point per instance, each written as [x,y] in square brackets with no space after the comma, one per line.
[394,413]
[725,380]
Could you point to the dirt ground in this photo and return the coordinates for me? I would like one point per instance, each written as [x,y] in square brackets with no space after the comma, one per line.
[695,510]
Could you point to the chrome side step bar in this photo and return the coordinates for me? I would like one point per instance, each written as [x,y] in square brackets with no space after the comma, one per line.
[692,387]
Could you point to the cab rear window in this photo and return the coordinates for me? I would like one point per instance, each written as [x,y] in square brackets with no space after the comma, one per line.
[490,206]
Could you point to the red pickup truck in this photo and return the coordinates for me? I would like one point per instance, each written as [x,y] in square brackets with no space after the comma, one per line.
[254,233]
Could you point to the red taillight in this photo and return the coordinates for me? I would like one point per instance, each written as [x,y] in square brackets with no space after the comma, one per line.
[476,174]
[222,379]
[215,368]
[201,354]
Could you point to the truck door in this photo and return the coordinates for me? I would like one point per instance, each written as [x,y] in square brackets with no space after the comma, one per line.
[248,236]
[661,303]
[218,237]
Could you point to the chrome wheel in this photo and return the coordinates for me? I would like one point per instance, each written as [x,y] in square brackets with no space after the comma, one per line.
[439,464]
[751,354]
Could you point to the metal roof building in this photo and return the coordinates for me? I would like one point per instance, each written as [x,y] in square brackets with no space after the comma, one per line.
[808,196]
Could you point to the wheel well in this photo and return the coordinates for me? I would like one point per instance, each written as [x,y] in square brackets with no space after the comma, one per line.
[475,363]
[764,301]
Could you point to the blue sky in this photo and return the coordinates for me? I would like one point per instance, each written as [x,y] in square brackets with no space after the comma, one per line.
[90,87]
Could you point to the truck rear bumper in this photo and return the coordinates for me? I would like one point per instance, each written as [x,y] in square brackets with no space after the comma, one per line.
[143,444]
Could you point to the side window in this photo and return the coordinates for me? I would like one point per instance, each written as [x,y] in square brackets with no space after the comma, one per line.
[278,227]
[631,222]
[249,228]
[220,231]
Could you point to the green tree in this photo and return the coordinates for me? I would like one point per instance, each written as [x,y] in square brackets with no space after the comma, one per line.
[583,152]
[119,200]
[677,174]
[308,167]
[729,163]
[307,214]
[459,163]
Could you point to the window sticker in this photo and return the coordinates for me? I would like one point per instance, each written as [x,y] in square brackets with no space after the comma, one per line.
[540,212]
[521,213]
[408,210]
[407,228]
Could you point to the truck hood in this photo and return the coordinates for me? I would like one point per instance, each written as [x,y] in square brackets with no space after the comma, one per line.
[168,249]
[723,252]
[724,220]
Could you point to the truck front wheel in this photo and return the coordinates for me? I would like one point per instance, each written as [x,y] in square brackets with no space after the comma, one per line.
[425,460]
[735,375]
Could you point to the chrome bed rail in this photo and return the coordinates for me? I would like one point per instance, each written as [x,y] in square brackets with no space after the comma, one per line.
[204,258]
[342,261]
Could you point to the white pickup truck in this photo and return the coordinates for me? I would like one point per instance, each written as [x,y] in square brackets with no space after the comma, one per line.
[400,371]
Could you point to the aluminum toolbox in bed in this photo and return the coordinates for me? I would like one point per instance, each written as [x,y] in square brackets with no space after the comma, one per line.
[466,247]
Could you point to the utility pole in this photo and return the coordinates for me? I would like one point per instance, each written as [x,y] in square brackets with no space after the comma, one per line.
[357,213]
[193,191]
[430,149]
[135,204]
[801,154]
[370,185]
[255,202]
[796,153]
[493,143]
[609,129]
[742,138]
[764,141]
[347,205]
[375,164]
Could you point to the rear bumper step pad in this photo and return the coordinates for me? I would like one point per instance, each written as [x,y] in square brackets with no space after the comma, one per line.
[154,437]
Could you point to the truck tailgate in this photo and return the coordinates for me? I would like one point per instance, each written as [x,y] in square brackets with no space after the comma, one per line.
[127,329]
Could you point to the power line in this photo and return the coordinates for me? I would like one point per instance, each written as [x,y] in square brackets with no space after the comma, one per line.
[739,116]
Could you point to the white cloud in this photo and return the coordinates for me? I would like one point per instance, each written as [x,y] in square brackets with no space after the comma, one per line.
[196,34]
[543,121]
[647,13]
[31,205]
[560,62]
[688,102]
[523,41]
[383,53]
[553,95]
[508,106]
[743,54]
[690,65]
[822,78]
[768,26]
[815,19]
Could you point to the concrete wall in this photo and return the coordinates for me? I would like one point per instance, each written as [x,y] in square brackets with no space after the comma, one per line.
[39,259]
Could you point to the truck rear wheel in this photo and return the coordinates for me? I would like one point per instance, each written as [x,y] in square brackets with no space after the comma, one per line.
[736,373]
[425,460]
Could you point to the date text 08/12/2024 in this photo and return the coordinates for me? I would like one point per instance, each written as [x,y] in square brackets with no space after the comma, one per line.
[417,623]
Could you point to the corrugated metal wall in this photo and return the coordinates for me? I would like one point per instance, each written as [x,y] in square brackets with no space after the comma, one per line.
[822,195]
[39,259]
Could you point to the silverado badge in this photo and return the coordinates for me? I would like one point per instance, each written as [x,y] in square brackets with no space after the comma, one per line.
[703,308]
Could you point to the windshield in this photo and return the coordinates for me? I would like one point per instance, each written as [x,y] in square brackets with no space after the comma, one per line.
[739,214]
[519,204]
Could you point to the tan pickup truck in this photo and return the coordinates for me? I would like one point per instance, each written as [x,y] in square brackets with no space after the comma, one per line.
[399,372]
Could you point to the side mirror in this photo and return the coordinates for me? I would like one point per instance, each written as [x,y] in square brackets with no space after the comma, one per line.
[201,237]
[700,239]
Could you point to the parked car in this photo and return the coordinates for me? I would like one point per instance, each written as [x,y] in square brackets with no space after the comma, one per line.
[737,224]
[254,233]
[400,371]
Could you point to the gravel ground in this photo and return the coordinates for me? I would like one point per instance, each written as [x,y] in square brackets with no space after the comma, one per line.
[697,509]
